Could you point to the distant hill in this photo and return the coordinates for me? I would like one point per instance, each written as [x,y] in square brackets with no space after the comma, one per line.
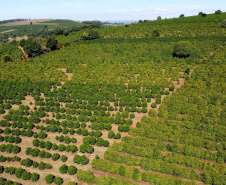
[35,27]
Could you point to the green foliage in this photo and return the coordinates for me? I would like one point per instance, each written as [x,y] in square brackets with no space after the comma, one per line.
[181,49]
[80,159]
[218,12]
[51,43]
[58,180]
[32,48]
[72,170]
[63,168]
[64,158]
[90,35]
[49,179]
[223,25]
[35,177]
[155,33]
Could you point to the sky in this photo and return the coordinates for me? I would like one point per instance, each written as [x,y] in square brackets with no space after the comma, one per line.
[103,10]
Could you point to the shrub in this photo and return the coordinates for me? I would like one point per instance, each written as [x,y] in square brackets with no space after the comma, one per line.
[49,179]
[42,135]
[41,166]
[63,168]
[19,172]
[35,177]
[117,136]
[181,49]
[61,147]
[58,180]
[72,170]
[64,158]
[26,175]
[111,134]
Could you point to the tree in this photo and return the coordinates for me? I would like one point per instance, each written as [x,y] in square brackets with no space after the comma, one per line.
[111,134]
[58,180]
[61,147]
[26,175]
[159,18]
[181,49]
[32,48]
[72,170]
[63,158]
[48,145]
[35,177]
[90,35]
[49,179]
[63,168]
[19,172]
[218,12]
[55,157]
[181,15]
[41,166]
[42,135]
[51,43]
[27,162]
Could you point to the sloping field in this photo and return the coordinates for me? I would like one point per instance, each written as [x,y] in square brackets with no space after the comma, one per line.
[121,109]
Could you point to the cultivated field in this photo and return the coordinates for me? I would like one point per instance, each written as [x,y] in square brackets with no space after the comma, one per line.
[123,109]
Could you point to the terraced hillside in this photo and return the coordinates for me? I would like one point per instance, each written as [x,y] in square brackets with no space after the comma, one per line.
[121,109]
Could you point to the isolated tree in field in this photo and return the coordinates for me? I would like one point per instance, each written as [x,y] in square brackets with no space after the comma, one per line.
[181,15]
[218,12]
[51,43]
[181,49]
[159,18]
[90,35]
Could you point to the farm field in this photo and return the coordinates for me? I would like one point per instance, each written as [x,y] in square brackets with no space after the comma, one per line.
[119,109]
[35,27]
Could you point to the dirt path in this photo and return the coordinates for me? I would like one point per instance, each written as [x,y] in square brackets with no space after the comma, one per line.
[8,31]
[25,55]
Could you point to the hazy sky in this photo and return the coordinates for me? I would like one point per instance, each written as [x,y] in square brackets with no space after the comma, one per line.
[106,9]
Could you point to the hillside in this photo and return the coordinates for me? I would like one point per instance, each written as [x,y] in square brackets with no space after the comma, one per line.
[125,108]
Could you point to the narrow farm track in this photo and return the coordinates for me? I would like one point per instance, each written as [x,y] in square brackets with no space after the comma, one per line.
[25,55]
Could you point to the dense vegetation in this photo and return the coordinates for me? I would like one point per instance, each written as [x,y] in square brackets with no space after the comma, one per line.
[145,104]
